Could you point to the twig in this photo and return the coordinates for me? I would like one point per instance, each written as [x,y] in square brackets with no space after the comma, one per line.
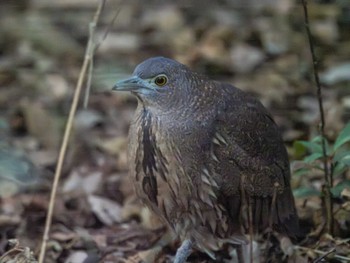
[327,174]
[66,136]
[320,252]
[324,255]
[93,47]
[108,29]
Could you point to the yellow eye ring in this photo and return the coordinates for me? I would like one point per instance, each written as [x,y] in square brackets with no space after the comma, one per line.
[161,80]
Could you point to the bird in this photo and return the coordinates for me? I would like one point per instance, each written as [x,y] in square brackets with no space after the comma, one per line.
[207,158]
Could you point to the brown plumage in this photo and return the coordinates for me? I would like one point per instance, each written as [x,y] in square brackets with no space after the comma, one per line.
[202,154]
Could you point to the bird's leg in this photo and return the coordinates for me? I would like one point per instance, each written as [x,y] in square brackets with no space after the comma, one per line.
[183,251]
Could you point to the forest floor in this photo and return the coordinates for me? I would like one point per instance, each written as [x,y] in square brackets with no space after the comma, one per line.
[258,46]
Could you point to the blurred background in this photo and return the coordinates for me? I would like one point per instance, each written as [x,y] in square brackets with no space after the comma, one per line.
[259,46]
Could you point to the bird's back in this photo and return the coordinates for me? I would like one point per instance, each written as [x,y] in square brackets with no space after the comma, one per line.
[254,166]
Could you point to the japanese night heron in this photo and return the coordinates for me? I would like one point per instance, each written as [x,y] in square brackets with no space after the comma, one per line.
[207,157]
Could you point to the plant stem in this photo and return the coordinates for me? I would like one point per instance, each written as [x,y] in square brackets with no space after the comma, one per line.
[67,132]
[327,173]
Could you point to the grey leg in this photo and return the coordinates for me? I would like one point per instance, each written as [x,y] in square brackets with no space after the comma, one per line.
[183,252]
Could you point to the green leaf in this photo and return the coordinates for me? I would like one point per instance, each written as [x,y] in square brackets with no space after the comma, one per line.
[318,140]
[301,171]
[340,155]
[299,149]
[345,160]
[311,146]
[336,190]
[313,157]
[305,192]
[344,137]
[339,169]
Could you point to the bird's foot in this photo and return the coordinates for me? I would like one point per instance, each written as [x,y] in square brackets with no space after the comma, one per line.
[183,251]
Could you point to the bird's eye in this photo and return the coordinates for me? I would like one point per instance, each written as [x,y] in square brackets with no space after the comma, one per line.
[161,80]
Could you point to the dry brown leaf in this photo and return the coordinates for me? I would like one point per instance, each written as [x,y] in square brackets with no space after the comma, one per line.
[114,146]
[106,210]
[82,182]
[41,124]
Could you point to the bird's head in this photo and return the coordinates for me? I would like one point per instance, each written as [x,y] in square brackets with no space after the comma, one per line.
[160,82]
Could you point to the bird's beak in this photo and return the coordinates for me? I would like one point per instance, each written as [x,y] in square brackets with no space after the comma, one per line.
[131,84]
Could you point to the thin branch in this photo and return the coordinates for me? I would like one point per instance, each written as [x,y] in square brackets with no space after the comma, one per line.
[90,50]
[108,29]
[320,252]
[88,83]
[327,175]
[320,258]
[94,47]
[66,136]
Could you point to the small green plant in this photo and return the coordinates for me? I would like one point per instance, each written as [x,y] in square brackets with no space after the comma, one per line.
[337,156]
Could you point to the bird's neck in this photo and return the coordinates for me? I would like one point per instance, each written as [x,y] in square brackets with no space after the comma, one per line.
[179,112]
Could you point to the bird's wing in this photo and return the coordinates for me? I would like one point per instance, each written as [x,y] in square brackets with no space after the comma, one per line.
[249,142]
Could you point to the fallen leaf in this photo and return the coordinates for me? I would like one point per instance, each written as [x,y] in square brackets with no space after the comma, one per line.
[106,210]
